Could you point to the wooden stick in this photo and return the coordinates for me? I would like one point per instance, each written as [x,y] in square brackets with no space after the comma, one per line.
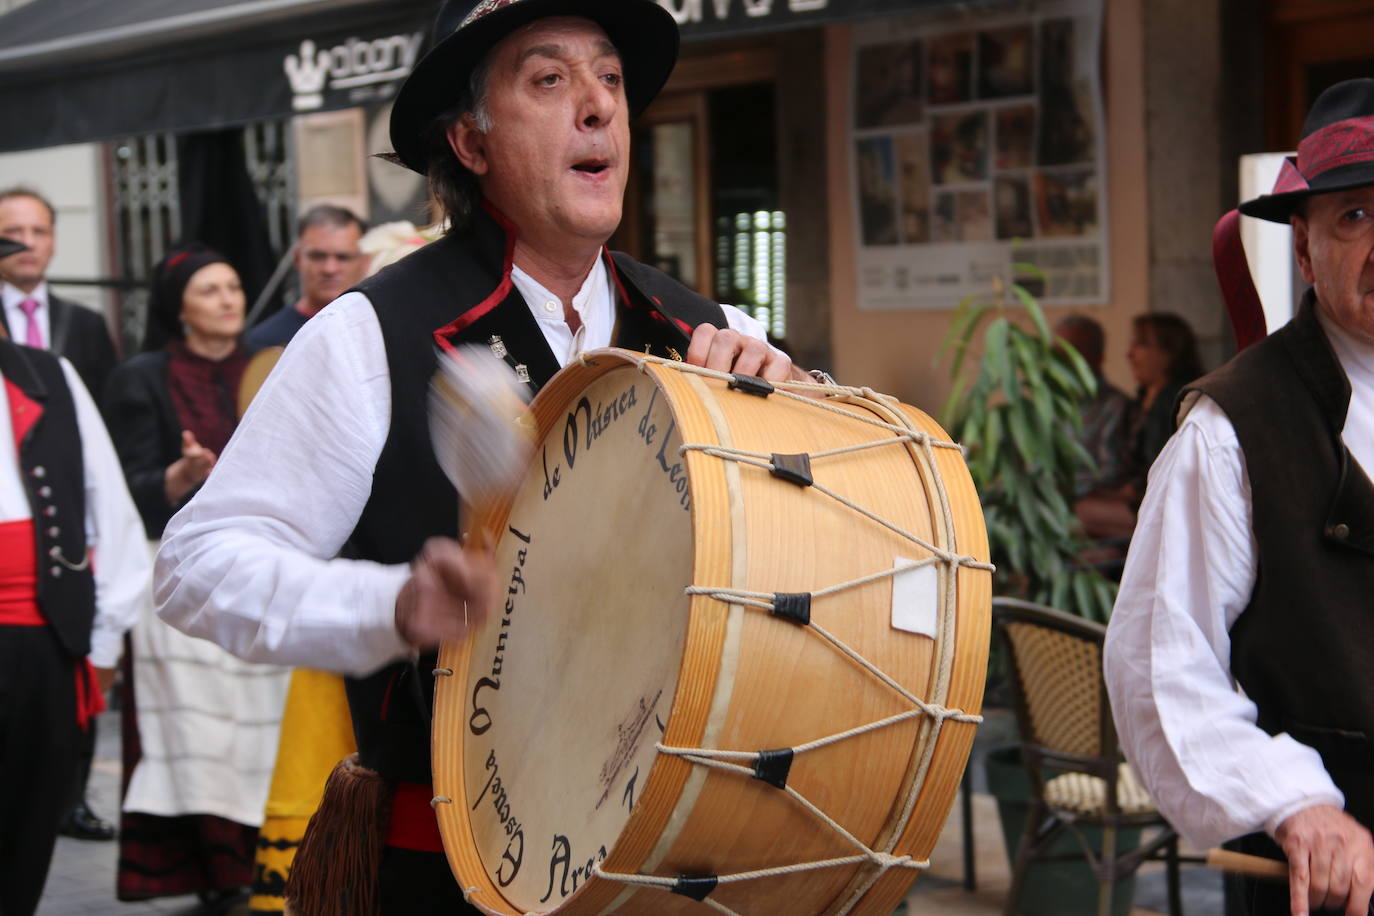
[1250,866]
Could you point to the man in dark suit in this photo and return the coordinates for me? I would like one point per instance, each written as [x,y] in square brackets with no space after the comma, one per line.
[36,318]
[32,315]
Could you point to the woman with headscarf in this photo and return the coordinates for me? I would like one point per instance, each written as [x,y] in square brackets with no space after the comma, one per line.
[200,726]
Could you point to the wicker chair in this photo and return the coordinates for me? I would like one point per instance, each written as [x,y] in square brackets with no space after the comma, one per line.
[1068,743]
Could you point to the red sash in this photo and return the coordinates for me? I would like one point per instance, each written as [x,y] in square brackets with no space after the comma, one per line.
[19,608]
[413,822]
[19,576]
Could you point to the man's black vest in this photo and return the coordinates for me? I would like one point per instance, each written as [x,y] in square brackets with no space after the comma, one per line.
[461,286]
[55,483]
[1302,649]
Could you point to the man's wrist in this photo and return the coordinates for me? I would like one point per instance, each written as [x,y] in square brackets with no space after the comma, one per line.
[1272,825]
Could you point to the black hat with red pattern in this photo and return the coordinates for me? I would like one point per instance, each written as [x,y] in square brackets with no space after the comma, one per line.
[1336,152]
[644,33]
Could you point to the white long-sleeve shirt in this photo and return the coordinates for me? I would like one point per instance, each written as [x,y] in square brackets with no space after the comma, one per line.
[1190,572]
[250,562]
[114,532]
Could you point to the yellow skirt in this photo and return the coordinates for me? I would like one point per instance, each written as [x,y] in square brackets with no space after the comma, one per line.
[316,733]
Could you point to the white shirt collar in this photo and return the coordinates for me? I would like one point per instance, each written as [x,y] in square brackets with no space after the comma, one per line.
[12,295]
[1356,357]
[593,304]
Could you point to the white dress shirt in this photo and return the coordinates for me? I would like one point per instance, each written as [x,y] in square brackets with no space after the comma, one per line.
[250,562]
[114,532]
[1190,734]
[16,319]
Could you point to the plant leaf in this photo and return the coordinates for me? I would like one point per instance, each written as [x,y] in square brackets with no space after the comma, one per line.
[1033,307]
[1080,365]
[998,358]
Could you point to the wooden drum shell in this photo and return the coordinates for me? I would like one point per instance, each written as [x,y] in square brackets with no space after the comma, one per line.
[749,681]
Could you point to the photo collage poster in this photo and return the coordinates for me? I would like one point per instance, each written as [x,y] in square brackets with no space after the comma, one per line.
[979,142]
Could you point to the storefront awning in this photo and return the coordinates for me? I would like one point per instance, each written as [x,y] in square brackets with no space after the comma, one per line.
[76,71]
[83,70]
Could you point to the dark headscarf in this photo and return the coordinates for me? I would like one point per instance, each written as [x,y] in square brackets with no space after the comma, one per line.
[170,278]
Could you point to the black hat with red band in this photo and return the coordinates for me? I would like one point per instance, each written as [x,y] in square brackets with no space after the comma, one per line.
[643,32]
[1336,152]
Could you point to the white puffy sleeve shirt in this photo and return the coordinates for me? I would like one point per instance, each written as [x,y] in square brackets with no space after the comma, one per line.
[250,562]
[1190,734]
[114,533]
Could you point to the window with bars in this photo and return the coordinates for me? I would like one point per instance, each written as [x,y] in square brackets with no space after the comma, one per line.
[144,182]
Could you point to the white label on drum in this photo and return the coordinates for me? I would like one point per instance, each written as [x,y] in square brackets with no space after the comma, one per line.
[915,597]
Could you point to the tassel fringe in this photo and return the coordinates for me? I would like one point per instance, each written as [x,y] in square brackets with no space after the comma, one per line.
[335,871]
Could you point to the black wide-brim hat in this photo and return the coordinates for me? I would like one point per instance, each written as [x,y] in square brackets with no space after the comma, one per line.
[643,32]
[1336,152]
[10,246]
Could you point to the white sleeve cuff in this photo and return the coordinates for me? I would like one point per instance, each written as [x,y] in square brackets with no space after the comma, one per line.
[1335,798]
[106,647]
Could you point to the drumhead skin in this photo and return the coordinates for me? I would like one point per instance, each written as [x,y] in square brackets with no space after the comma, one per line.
[599,736]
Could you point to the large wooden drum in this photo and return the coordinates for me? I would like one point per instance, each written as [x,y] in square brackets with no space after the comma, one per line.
[738,660]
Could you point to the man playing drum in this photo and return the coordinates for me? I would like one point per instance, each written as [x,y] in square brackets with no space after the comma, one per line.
[1253,562]
[519,117]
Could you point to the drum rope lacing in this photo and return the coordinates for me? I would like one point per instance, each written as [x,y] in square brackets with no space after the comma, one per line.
[773,765]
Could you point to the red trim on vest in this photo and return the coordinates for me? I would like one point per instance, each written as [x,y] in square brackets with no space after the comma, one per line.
[454,327]
[625,297]
[19,576]
[414,824]
[90,702]
[24,412]
[1343,143]
[386,697]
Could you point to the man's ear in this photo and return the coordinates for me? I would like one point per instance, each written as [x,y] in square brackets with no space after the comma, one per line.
[469,144]
[1300,249]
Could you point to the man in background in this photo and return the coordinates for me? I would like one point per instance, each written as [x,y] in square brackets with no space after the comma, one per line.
[62,614]
[36,318]
[328,261]
[32,314]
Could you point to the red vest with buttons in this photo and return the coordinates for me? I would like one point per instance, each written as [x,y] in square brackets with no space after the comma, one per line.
[48,442]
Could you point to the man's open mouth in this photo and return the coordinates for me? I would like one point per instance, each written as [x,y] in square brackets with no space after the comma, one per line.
[591,166]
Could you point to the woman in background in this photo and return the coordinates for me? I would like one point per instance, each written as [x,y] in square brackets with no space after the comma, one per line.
[200,726]
[1163,357]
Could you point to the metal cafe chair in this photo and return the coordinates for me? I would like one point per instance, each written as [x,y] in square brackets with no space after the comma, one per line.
[1077,774]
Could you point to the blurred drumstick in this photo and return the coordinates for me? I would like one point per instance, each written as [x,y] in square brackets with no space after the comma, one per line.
[476,417]
[1240,863]
[1258,867]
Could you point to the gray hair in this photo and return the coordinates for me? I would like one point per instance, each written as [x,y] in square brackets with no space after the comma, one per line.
[331,216]
[453,190]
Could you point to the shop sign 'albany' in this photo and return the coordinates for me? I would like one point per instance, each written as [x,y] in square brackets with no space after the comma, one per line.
[365,69]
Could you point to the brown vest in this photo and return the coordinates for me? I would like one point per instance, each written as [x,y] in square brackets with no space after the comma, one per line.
[1303,650]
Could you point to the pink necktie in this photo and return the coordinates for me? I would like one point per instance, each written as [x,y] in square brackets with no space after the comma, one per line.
[33,337]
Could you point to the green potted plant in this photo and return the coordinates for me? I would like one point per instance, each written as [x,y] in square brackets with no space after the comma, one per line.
[1016,409]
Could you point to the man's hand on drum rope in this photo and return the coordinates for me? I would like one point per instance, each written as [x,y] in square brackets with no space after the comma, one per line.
[450,590]
[1330,861]
[726,350]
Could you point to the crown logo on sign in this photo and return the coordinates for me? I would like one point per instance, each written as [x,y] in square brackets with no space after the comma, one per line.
[307,73]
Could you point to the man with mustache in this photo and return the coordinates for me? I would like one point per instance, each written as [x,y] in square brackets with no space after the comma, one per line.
[1252,563]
